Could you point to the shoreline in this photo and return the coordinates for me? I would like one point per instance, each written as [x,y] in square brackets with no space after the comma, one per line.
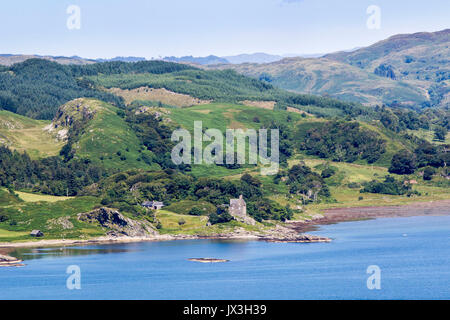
[347,214]
[291,232]
[287,236]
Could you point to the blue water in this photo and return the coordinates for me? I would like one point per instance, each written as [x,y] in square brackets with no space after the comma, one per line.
[412,253]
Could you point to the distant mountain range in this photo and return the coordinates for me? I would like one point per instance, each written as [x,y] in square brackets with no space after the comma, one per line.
[259,57]
[409,70]
[211,59]
[253,58]
[10,59]
[124,59]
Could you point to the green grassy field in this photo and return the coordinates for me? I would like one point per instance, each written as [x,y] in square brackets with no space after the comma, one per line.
[56,219]
[195,225]
[6,235]
[34,197]
[170,222]
[429,136]
[26,134]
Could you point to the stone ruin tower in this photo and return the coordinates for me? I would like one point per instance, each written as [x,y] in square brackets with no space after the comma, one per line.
[238,209]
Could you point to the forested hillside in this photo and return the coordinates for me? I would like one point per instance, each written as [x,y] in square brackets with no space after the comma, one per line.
[37,88]
[107,143]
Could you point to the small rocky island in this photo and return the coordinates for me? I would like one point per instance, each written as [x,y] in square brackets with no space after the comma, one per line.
[302,238]
[207,260]
[7,261]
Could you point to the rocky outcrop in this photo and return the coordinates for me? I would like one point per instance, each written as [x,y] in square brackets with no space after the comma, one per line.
[62,222]
[385,70]
[7,261]
[300,238]
[278,233]
[117,224]
[208,260]
[284,234]
[74,114]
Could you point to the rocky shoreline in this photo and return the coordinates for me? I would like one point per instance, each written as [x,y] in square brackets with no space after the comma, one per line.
[287,235]
[292,232]
[276,234]
[7,261]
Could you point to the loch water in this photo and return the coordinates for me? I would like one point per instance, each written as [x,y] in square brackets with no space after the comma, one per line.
[412,254]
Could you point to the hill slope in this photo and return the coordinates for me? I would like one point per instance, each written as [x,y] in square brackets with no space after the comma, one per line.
[427,53]
[327,77]
[412,70]
[36,88]
[96,132]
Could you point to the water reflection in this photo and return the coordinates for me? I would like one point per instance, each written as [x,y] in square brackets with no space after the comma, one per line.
[41,253]
[236,247]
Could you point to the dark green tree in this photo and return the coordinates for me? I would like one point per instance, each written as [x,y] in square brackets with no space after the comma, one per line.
[403,162]
[440,133]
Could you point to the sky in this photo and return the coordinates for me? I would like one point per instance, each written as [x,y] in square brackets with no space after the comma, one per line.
[153,29]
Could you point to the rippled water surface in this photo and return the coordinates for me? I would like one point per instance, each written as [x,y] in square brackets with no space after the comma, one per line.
[413,255]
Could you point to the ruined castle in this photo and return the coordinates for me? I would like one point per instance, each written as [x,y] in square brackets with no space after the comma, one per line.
[238,209]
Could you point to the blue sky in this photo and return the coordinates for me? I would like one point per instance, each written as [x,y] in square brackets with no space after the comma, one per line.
[153,28]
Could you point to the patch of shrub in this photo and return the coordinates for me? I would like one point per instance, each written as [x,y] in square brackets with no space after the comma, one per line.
[428,173]
[354,185]
[388,186]
[328,172]
[403,162]
[3,217]
[195,211]
[220,216]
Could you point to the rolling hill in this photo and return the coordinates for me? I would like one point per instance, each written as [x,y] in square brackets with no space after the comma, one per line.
[36,87]
[109,158]
[409,70]
[417,56]
[10,59]
[97,132]
[332,78]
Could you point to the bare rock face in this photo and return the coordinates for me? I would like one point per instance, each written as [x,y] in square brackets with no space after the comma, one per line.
[284,234]
[62,222]
[245,219]
[117,224]
[75,113]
